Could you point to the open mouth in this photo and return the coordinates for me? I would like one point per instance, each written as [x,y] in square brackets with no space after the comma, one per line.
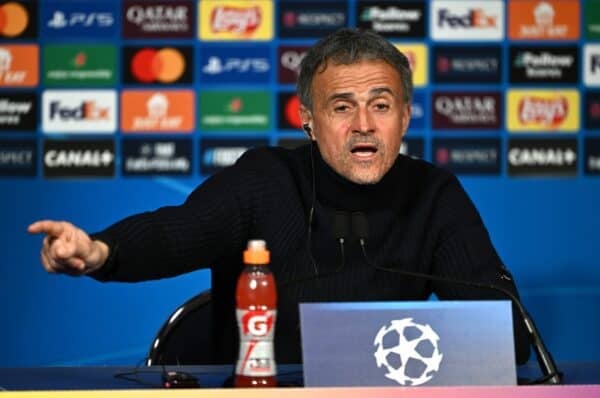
[364,150]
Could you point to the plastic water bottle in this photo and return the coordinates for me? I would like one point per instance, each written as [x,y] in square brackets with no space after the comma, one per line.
[256,310]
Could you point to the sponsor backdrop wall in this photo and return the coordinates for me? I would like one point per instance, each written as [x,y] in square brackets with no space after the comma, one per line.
[108,108]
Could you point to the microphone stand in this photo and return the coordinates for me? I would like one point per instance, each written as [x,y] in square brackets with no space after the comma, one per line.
[551,374]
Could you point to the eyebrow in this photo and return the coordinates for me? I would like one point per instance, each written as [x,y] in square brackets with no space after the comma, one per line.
[372,93]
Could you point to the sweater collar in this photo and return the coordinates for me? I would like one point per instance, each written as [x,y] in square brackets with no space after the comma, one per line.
[337,192]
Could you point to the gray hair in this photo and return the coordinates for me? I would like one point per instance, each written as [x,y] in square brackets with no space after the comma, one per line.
[347,46]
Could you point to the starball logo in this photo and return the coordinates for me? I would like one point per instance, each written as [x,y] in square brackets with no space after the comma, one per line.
[236,20]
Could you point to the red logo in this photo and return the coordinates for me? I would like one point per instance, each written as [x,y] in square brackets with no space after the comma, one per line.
[257,323]
[547,112]
[165,65]
[292,112]
[240,20]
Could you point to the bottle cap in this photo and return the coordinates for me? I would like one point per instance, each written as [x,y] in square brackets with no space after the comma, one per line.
[256,253]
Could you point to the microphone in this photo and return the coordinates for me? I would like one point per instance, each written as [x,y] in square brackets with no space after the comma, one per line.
[340,228]
[360,227]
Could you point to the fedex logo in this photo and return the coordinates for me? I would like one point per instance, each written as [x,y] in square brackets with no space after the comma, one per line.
[88,110]
[595,63]
[473,18]
[459,20]
[79,111]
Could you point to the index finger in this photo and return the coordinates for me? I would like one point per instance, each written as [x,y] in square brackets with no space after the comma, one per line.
[49,227]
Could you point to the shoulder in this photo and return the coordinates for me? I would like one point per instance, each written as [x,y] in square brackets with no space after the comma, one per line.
[269,156]
[423,175]
[273,162]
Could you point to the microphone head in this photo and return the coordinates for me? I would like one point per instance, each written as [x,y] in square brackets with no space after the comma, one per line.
[340,225]
[360,225]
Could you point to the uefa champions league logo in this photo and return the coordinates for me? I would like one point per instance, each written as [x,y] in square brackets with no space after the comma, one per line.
[408,351]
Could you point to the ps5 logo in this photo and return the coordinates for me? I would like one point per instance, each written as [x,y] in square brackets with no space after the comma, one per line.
[60,20]
[217,65]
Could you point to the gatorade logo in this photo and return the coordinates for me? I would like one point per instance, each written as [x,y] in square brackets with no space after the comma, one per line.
[258,323]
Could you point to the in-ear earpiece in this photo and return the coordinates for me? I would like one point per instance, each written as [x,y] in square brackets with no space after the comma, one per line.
[307,129]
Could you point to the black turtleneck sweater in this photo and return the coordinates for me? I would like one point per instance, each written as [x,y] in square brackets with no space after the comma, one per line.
[419,219]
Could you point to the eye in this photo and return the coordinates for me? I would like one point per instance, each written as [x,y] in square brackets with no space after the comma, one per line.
[382,106]
[341,108]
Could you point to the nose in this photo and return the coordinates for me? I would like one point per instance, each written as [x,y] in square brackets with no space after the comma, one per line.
[362,123]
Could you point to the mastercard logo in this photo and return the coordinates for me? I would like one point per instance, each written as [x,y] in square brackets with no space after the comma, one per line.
[151,65]
[13,19]
[292,111]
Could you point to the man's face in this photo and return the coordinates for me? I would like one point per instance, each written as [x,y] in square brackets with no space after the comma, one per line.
[358,118]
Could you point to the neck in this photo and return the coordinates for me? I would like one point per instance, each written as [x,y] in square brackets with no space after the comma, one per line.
[336,191]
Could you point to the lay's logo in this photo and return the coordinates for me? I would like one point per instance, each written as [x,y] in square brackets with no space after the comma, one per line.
[418,61]
[543,110]
[236,20]
[243,21]
[546,112]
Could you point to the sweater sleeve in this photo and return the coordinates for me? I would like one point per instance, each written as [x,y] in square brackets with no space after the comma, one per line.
[464,251]
[212,224]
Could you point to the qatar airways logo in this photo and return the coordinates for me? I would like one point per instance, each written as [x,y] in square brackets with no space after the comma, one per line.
[543,111]
[240,20]
[472,110]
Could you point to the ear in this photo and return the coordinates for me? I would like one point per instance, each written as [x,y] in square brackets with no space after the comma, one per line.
[307,121]
[406,118]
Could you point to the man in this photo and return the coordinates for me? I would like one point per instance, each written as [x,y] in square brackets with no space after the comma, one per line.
[400,213]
